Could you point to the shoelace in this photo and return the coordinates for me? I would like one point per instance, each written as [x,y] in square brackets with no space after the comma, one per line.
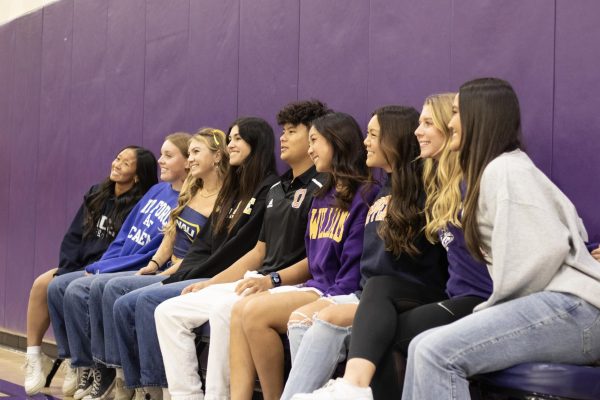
[96,383]
[30,365]
[83,379]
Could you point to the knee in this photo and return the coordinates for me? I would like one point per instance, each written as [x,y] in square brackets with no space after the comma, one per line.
[427,349]
[40,285]
[330,315]
[253,316]
[112,292]
[121,308]
[237,311]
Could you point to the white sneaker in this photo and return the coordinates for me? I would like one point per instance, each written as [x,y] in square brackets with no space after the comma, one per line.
[121,392]
[37,367]
[71,379]
[337,389]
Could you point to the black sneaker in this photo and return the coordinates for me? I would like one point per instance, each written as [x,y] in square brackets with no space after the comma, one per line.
[84,383]
[104,381]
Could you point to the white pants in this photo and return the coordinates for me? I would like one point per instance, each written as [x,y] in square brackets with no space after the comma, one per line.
[175,320]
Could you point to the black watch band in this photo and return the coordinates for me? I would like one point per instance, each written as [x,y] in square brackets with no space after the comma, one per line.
[275,279]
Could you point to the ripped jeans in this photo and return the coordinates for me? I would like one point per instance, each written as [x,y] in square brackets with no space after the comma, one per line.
[316,348]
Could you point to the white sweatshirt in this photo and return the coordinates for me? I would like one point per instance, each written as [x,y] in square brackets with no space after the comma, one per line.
[531,234]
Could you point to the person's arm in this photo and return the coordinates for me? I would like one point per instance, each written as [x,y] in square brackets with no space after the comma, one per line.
[594,249]
[71,244]
[250,261]
[162,255]
[292,275]
[172,269]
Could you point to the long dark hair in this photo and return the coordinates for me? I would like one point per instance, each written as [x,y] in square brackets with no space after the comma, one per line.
[348,163]
[491,125]
[400,147]
[146,174]
[242,180]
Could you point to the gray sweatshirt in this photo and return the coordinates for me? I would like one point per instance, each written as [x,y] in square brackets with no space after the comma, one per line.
[531,235]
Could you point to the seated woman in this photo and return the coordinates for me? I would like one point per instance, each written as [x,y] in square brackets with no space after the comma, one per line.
[545,304]
[395,281]
[135,244]
[208,162]
[333,248]
[105,206]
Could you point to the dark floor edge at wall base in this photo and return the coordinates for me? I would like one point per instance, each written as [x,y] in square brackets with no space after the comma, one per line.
[19,342]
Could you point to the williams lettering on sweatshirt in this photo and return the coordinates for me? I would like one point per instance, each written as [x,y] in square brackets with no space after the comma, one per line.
[140,234]
[334,242]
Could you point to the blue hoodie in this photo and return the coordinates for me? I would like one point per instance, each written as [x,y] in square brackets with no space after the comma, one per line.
[140,234]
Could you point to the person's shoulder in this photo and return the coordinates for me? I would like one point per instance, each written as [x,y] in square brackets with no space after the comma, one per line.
[509,163]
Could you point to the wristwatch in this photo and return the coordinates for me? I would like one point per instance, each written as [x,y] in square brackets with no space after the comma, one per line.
[275,279]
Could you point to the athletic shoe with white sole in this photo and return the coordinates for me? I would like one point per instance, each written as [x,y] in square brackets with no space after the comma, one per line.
[337,389]
[37,368]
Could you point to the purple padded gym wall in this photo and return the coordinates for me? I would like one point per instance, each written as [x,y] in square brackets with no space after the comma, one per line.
[82,78]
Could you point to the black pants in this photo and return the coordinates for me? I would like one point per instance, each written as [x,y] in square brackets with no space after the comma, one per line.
[389,376]
[383,299]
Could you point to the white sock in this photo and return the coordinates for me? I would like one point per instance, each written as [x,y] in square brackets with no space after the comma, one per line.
[33,350]
[120,373]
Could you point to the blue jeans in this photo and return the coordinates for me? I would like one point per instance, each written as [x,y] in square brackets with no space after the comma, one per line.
[56,294]
[316,352]
[136,333]
[542,327]
[105,348]
[83,315]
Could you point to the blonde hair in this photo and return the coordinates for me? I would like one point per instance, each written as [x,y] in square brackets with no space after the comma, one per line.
[443,176]
[215,140]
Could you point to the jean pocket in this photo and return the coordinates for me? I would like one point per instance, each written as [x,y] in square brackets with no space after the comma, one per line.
[591,336]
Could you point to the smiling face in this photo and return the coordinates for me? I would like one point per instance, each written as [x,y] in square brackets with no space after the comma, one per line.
[124,167]
[455,127]
[319,150]
[239,149]
[172,163]
[431,139]
[201,160]
[375,156]
[294,143]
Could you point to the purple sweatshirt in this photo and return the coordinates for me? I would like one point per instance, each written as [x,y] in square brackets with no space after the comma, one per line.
[334,242]
[467,277]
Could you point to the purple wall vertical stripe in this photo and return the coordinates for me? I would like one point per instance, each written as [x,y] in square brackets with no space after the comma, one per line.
[81,79]
[7,52]
[576,155]
[24,128]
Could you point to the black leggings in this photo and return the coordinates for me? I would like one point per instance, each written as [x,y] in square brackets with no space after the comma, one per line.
[389,376]
[375,323]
